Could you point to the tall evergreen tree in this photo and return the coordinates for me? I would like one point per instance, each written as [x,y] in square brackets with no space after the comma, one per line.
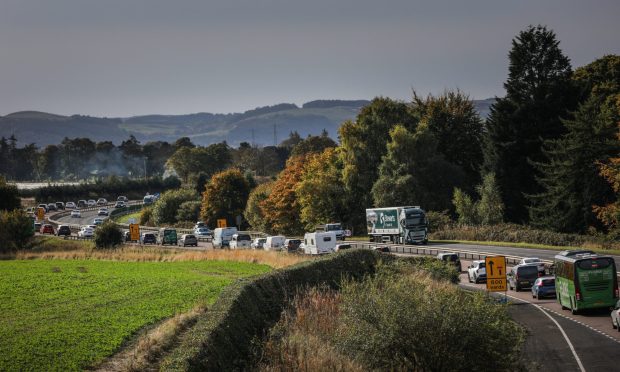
[570,175]
[538,92]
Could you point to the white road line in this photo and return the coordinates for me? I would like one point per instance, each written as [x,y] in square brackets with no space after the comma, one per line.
[570,345]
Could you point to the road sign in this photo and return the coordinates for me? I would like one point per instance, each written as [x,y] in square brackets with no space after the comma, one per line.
[496,273]
[134,231]
[40,214]
[221,222]
[131,221]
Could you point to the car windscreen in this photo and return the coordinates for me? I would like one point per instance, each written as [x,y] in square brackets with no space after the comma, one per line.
[594,263]
[548,282]
[450,257]
[244,237]
[528,271]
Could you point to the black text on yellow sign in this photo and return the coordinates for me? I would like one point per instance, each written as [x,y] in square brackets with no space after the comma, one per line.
[221,222]
[496,273]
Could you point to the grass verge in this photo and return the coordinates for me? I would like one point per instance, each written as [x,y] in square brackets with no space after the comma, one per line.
[70,314]
[125,218]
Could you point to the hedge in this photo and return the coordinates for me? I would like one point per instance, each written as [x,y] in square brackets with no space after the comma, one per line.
[224,336]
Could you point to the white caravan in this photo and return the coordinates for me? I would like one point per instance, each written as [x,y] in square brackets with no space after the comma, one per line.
[222,236]
[240,241]
[319,242]
[274,243]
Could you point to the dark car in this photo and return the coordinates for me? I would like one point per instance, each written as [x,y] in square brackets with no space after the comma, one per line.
[37,226]
[188,239]
[148,238]
[522,276]
[63,230]
[544,287]
[60,206]
[51,207]
[451,259]
[47,229]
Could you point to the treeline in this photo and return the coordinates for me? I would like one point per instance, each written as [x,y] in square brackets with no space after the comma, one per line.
[548,155]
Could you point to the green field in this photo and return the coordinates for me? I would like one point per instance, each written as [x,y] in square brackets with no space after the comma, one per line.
[70,314]
[125,218]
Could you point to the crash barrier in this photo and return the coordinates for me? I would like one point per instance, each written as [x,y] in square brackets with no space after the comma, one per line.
[223,336]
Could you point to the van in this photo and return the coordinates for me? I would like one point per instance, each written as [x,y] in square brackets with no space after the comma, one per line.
[222,236]
[167,236]
[319,242]
[274,243]
[523,276]
[451,259]
[239,241]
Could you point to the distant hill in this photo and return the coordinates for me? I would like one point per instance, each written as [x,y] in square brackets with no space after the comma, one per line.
[254,126]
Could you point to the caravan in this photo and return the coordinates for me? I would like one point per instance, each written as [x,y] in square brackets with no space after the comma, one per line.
[238,241]
[319,242]
[274,243]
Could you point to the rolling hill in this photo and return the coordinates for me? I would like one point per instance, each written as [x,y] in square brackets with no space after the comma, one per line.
[262,126]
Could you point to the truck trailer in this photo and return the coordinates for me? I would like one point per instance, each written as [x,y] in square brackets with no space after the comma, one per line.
[401,225]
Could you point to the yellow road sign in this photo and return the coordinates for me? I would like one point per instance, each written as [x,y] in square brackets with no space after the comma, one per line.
[134,231]
[496,273]
[40,214]
[221,222]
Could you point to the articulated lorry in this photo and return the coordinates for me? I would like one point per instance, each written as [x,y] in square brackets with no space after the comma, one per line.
[403,225]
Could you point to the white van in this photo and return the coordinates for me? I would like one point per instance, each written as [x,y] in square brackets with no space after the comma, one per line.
[223,235]
[319,242]
[240,241]
[274,243]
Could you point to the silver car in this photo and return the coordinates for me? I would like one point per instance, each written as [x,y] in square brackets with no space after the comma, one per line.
[188,239]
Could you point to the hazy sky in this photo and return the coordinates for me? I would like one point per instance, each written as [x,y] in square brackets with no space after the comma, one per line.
[129,57]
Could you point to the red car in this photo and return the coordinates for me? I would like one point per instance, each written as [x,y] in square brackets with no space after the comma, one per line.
[47,229]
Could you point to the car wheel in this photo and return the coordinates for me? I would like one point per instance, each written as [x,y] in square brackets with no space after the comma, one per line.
[517,289]
[533,295]
[613,324]
[618,326]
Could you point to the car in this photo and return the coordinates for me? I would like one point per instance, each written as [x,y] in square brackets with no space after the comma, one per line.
[119,204]
[199,224]
[60,206]
[47,229]
[51,207]
[70,205]
[102,201]
[122,198]
[522,276]
[451,259]
[258,243]
[148,238]
[44,206]
[91,203]
[544,287]
[476,272]
[82,204]
[203,232]
[98,221]
[615,316]
[76,213]
[241,240]
[37,226]
[532,260]
[63,230]
[86,232]
[292,245]
[103,212]
[342,246]
[94,227]
[188,239]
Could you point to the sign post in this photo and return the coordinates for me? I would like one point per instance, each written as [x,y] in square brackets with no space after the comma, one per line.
[496,274]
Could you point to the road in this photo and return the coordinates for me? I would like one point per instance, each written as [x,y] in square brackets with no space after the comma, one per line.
[591,336]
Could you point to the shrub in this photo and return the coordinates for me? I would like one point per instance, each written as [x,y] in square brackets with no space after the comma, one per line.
[16,231]
[146,216]
[438,220]
[166,207]
[189,211]
[9,196]
[412,322]
[108,235]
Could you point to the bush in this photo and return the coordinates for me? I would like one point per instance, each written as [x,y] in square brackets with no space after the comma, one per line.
[146,216]
[9,196]
[108,235]
[16,231]
[189,211]
[166,207]
[438,220]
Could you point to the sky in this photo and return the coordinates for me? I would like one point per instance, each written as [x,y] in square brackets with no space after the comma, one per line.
[119,58]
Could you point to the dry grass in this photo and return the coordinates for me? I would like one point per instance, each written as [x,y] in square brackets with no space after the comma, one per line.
[300,340]
[144,354]
[139,254]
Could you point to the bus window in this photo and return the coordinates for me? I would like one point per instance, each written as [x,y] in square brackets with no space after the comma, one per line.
[593,264]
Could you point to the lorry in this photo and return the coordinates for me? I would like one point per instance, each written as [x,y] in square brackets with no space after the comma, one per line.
[399,225]
[335,227]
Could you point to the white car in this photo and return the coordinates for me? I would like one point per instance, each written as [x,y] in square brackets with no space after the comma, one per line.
[98,221]
[86,232]
[70,205]
[258,243]
[76,213]
[533,260]
[477,272]
[102,201]
[203,231]
[92,203]
[615,316]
